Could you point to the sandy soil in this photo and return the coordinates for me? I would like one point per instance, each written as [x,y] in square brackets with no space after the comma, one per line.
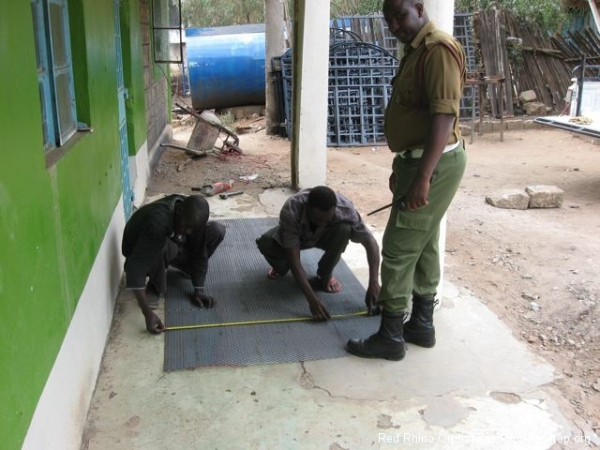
[538,270]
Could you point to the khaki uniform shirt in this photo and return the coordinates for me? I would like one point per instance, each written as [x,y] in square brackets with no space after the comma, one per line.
[430,81]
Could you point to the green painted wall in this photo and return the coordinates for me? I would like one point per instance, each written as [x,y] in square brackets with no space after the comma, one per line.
[53,220]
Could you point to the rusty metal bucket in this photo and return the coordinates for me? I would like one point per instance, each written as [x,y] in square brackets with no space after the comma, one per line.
[205,132]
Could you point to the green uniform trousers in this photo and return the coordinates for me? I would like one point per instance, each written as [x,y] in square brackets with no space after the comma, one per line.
[410,250]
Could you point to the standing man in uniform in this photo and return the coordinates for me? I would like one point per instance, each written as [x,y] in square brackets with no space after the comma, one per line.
[173,231]
[422,128]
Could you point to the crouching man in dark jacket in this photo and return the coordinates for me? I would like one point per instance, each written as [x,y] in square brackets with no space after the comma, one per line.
[173,231]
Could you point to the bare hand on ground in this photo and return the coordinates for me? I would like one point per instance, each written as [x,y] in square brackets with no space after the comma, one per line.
[153,324]
[203,301]
[318,311]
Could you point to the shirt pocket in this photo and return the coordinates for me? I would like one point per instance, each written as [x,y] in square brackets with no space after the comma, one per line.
[408,91]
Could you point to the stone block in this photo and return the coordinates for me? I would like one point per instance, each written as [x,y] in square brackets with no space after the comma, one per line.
[498,126]
[144,12]
[465,129]
[535,109]
[514,125]
[532,125]
[528,97]
[145,35]
[509,199]
[486,127]
[541,196]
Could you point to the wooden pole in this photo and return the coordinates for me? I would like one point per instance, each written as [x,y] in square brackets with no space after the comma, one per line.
[275,45]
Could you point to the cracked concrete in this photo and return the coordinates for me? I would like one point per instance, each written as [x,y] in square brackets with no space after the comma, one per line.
[479,388]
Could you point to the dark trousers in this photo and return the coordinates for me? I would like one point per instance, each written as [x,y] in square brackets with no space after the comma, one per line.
[178,255]
[333,242]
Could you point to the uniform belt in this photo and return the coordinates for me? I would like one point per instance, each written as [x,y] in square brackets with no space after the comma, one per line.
[418,152]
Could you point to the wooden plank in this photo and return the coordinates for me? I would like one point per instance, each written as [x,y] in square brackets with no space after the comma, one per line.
[508,88]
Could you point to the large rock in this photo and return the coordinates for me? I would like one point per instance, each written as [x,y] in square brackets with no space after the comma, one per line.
[528,97]
[509,199]
[535,109]
[544,196]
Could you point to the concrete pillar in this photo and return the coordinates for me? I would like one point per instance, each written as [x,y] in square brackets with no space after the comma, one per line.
[310,86]
[274,46]
[442,13]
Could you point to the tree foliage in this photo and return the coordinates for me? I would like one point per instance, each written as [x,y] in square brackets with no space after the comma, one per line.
[211,13]
[214,13]
[354,7]
[548,14]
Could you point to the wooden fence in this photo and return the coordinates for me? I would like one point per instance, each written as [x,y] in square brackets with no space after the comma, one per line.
[525,56]
[581,43]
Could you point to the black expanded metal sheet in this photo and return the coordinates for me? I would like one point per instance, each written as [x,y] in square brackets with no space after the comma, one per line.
[237,279]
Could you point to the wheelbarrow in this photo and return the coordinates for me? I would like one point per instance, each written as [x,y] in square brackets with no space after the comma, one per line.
[206,133]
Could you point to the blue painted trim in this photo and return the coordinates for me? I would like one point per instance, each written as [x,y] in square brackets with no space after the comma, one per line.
[66,117]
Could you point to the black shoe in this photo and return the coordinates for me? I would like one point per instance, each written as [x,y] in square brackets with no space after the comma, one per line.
[419,330]
[387,343]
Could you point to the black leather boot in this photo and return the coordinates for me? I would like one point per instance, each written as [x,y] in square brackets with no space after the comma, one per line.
[387,343]
[419,330]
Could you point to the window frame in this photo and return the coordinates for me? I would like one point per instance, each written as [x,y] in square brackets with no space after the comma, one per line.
[161,13]
[55,72]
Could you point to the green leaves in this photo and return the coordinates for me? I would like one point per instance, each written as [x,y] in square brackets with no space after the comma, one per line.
[215,13]
[548,14]
[354,7]
[212,13]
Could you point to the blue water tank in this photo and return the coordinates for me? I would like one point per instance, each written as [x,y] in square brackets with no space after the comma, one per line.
[226,66]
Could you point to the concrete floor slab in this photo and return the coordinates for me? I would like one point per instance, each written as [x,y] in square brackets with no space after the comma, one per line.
[346,403]
[475,354]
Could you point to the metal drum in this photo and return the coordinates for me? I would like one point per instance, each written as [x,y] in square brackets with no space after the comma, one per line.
[226,66]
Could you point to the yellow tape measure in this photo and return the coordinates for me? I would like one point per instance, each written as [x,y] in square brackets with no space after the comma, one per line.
[261,322]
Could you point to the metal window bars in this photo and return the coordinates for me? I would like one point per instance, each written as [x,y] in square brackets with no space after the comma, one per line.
[360,75]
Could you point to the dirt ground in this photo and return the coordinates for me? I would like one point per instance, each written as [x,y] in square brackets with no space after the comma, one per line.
[537,269]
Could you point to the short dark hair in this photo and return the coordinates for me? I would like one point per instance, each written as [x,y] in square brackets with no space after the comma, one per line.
[195,210]
[322,198]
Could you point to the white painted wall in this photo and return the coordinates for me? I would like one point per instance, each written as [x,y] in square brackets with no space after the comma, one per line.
[140,165]
[139,168]
[61,412]
[309,143]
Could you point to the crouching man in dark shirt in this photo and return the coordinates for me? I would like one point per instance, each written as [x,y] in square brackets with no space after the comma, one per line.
[321,218]
[171,231]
